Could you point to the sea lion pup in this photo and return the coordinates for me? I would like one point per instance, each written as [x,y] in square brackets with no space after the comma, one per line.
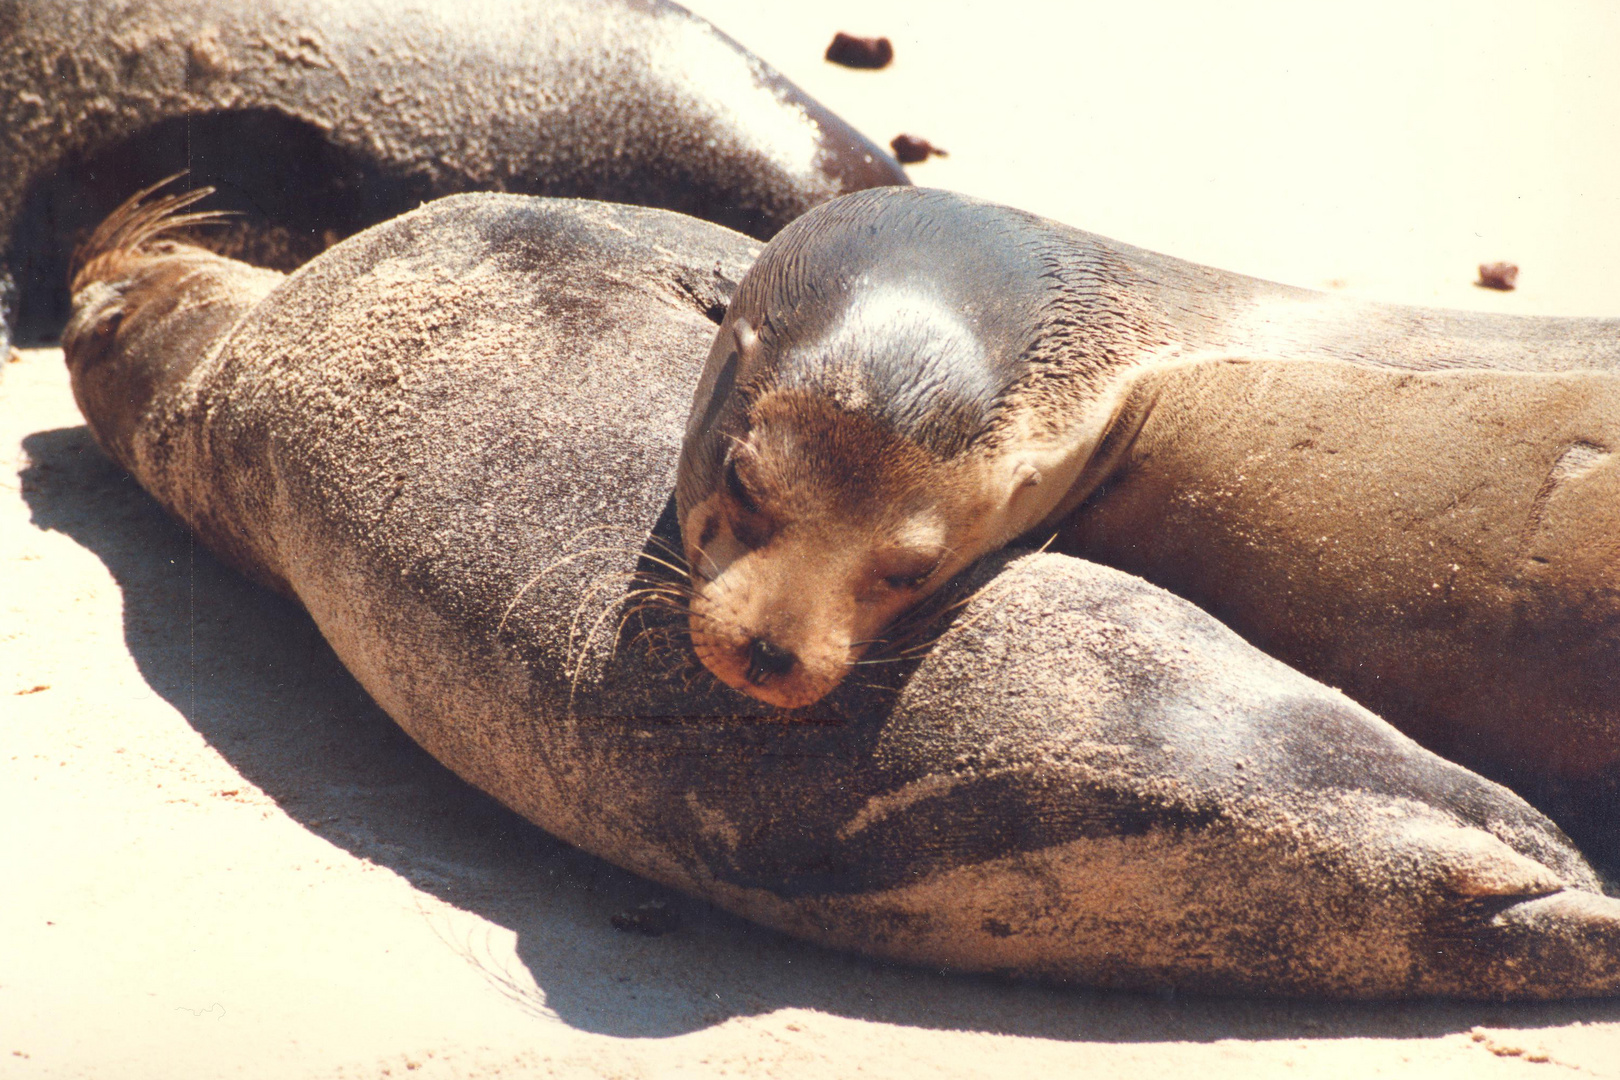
[1416,505]
[453,437]
[316,120]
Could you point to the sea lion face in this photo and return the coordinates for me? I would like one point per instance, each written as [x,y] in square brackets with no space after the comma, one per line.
[822,529]
[857,437]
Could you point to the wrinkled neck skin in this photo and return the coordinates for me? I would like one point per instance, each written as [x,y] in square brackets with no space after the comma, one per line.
[910,379]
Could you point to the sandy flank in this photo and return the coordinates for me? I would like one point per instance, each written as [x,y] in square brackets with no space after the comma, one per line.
[219,859]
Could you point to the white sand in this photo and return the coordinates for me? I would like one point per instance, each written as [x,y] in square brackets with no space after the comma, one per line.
[220,860]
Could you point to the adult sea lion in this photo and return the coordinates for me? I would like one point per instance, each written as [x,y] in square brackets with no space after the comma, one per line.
[1418,506]
[452,437]
[315,119]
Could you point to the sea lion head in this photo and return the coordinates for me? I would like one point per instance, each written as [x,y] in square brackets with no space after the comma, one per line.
[855,438]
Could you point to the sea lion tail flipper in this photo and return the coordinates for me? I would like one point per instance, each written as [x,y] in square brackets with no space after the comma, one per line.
[1504,923]
[1564,944]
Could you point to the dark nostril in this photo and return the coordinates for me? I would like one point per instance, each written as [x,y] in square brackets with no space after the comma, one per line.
[767,659]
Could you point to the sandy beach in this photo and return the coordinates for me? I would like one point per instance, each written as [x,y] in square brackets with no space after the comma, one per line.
[220,859]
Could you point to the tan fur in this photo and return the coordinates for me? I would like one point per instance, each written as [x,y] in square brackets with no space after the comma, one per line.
[849,526]
[1444,546]
[1416,505]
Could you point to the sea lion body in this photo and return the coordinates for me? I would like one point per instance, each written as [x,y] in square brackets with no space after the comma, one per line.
[453,436]
[314,120]
[1440,545]
[1416,505]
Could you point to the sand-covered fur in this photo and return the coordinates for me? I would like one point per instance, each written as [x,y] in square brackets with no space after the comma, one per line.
[453,438]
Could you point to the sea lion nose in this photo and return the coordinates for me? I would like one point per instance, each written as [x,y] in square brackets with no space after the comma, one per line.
[766,659]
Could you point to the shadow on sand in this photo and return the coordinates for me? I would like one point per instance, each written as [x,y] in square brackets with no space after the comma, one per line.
[253,676]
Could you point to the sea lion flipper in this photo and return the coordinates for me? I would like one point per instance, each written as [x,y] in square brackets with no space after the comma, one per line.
[1562,944]
[1469,863]
[139,221]
[1135,399]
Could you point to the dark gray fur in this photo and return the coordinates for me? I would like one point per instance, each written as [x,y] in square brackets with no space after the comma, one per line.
[316,119]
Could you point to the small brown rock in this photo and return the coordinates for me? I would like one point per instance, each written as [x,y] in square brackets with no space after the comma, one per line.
[860,52]
[1498,275]
[910,150]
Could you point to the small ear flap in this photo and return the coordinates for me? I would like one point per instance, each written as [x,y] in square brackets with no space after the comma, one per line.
[740,447]
[108,323]
[1025,475]
[746,339]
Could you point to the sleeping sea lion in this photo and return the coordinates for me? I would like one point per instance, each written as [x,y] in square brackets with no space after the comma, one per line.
[1418,506]
[315,120]
[453,436]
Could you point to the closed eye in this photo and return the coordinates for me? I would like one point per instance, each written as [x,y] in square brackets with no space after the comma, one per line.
[739,493]
[911,573]
[903,582]
[750,525]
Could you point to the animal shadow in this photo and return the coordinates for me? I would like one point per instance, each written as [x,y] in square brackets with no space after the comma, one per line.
[250,672]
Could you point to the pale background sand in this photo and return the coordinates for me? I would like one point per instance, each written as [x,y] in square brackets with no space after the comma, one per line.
[218,859]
